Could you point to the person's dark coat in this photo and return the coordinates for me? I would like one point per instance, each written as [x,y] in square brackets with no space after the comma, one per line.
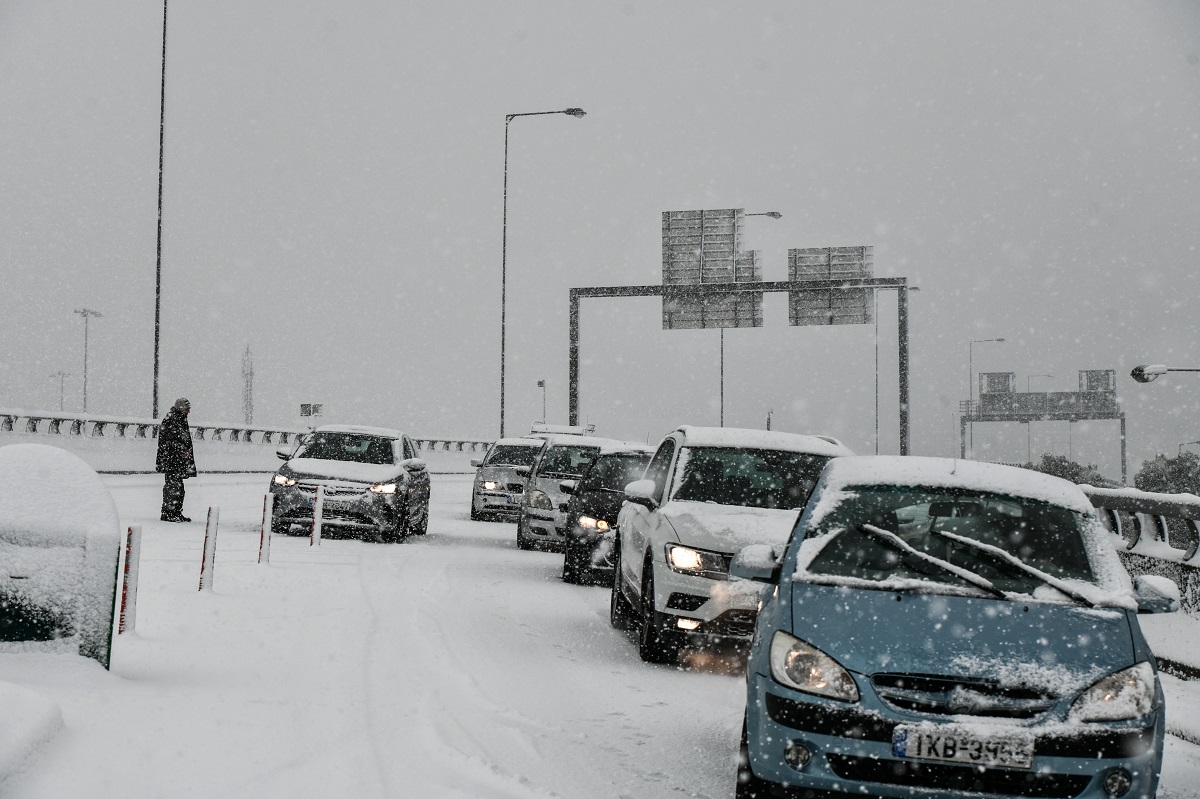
[175,446]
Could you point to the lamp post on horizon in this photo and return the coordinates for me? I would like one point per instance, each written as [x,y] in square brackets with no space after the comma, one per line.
[578,113]
[773,215]
[542,386]
[971,383]
[62,376]
[86,313]
[162,123]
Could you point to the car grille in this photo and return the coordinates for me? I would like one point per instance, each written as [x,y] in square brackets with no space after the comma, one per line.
[679,601]
[515,488]
[922,693]
[332,491]
[935,776]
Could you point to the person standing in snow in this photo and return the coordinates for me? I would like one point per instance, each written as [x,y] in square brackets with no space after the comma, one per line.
[175,459]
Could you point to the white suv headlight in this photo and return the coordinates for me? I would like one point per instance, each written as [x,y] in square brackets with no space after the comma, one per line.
[697,561]
[1126,694]
[802,666]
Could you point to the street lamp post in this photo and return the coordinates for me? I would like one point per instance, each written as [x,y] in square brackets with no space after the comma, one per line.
[773,215]
[577,113]
[1029,424]
[542,386]
[1148,373]
[162,126]
[971,382]
[86,313]
[62,386]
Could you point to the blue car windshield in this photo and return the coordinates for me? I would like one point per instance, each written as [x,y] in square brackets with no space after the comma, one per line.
[347,447]
[1042,536]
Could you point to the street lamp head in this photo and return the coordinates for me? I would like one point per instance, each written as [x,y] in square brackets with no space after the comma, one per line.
[578,113]
[772,214]
[1148,373]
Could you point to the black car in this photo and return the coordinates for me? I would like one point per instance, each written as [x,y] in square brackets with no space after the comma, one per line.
[596,499]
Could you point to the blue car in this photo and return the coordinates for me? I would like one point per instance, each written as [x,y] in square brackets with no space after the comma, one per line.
[945,628]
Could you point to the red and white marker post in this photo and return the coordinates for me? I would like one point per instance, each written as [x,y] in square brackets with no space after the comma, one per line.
[264,541]
[209,559]
[318,510]
[133,556]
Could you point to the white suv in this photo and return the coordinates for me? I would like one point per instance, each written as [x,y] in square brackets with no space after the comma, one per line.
[708,492]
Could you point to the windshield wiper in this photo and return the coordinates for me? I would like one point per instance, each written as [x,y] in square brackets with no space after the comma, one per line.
[900,545]
[1000,556]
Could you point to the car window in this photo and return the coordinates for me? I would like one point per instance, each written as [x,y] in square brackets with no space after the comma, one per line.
[564,460]
[1047,537]
[659,464]
[511,455]
[614,472]
[332,446]
[754,478]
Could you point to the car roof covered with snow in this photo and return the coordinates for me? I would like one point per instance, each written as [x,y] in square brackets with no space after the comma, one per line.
[523,441]
[626,448]
[358,429]
[995,478]
[572,440]
[761,439]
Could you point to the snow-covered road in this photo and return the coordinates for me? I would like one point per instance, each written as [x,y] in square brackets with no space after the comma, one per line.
[449,666]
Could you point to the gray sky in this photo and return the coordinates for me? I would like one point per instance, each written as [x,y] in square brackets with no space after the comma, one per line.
[333,199]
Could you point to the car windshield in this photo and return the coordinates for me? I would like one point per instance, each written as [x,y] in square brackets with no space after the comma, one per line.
[347,447]
[754,478]
[1046,537]
[512,455]
[614,472]
[567,460]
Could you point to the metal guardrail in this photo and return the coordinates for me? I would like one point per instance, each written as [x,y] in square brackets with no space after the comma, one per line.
[52,423]
[1159,534]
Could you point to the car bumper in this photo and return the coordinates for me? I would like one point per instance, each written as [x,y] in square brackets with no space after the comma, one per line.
[851,754]
[545,527]
[498,502]
[705,608]
[596,546]
[364,511]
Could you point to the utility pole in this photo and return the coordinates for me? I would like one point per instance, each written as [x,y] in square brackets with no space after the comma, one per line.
[62,376]
[248,386]
[86,313]
[769,412]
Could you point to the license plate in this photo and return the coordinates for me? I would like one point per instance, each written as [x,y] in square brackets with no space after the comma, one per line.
[1007,750]
[513,500]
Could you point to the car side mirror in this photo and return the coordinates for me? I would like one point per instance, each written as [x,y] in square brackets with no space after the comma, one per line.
[641,492]
[476,462]
[283,452]
[414,464]
[522,470]
[568,486]
[757,562]
[1156,594]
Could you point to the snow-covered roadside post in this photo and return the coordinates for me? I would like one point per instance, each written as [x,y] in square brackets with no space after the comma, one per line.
[209,558]
[318,509]
[133,556]
[264,540]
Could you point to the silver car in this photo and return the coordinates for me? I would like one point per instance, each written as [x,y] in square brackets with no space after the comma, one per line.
[375,486]
[499,487]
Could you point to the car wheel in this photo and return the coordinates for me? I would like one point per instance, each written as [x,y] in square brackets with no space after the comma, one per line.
[476,516]
[748,786]
[523,541]
[420,525]
[656,644]
[280,527]
[620,611]
[572,563]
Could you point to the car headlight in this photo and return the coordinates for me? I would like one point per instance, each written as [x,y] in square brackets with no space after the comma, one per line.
[490,485]
[802,666]
[587,522]
[1126,694]
[540,500]
[697,561]
[283,480]
[384,488]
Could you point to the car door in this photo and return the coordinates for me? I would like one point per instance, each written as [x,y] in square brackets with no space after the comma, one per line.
[638,523]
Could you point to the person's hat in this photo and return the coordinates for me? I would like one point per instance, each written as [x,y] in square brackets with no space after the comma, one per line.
[182,403]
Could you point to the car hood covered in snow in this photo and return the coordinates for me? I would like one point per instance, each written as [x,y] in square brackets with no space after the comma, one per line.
[348,471]
[1052,647]
[728,528]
